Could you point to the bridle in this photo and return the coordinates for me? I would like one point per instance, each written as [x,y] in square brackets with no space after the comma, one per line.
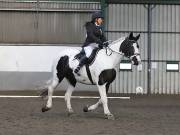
[135,54]
[120,53]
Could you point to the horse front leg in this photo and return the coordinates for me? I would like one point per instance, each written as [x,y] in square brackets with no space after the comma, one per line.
[92,107]
[104,100]
[96,105]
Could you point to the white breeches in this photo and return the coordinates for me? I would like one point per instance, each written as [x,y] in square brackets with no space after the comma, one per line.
[88,49]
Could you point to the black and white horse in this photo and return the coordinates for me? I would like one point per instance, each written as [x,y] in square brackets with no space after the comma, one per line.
[102,71]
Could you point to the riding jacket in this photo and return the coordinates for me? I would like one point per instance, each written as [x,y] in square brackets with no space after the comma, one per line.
[94,35]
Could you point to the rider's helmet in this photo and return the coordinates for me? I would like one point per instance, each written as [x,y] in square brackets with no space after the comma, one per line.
[97,14]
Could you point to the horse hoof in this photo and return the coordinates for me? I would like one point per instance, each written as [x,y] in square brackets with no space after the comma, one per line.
[44,97]
[109,116]
[85,109]
[44,109]
[70,112]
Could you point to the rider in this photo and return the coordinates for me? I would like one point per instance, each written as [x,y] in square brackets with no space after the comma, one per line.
[95,37]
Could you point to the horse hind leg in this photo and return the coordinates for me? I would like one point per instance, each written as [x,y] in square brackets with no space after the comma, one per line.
[44,92]
[68,99]
[72,83]
[50,91]
[58,75]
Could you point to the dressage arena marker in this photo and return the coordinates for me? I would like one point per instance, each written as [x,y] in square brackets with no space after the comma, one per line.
[81,97]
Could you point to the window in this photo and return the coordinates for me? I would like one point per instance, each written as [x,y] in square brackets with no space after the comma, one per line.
[125,65]
[172,66]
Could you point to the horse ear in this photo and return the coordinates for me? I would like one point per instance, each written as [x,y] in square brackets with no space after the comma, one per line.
[130,35]
[137,37]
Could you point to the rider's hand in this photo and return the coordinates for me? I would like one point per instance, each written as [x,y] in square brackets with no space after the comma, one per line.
[105,44]
[100,44]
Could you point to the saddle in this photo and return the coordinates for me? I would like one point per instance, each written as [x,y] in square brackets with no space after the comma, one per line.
[92,57]
[89,62]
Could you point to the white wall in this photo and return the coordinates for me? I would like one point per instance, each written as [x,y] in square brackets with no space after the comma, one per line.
[28,58]
[29,67]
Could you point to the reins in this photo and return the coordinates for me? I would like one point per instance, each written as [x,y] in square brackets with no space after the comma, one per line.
[108,48]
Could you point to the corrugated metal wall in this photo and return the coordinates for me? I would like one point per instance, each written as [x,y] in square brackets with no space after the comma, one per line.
[123,18]
[44,22]
[165,47]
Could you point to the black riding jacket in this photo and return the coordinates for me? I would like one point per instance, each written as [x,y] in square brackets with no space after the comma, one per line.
[94,34]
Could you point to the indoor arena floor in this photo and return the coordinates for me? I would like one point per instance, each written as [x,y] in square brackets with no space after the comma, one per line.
[140,115]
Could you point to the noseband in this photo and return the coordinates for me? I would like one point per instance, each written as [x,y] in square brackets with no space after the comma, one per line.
[136,54]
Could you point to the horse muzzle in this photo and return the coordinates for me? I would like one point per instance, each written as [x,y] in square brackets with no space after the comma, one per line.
[134,61]
[139,67]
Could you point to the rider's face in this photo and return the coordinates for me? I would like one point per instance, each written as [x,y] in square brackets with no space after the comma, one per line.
[99,21]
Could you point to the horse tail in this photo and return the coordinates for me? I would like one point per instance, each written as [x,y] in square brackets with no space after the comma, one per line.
[44,90]
[59,70]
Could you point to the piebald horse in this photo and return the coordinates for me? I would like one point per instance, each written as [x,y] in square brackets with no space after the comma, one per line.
[102,71]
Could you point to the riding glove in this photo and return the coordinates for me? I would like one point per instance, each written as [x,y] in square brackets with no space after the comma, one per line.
[105,44]
[100,44]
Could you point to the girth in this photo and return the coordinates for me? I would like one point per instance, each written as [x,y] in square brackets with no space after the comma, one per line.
[90,60]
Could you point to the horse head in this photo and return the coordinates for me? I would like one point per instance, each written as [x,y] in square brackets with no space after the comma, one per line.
[130,48]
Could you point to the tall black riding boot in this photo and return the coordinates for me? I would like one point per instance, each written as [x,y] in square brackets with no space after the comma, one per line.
[82,62]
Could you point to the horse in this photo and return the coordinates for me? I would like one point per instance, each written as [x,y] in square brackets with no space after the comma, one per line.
[102,71]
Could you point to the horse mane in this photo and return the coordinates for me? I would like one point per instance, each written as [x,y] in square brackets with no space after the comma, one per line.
[119,39]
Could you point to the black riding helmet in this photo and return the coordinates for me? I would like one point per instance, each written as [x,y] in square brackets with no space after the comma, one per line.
[97,14]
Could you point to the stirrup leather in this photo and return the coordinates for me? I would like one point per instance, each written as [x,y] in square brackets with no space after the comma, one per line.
[77,69]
